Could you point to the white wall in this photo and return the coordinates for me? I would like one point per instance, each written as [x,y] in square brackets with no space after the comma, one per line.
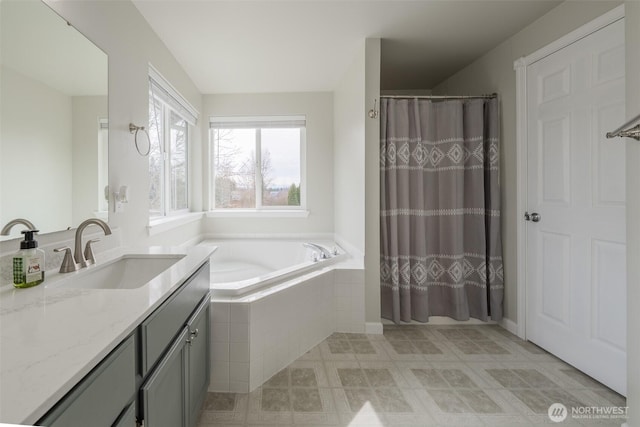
[35,153]
[632,47]
[357,174]
[318,109]
[120,31]
[372,193]
[87,110]
[348,155]
[494,72]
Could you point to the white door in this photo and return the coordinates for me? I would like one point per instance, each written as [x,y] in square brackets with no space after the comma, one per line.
[576,278]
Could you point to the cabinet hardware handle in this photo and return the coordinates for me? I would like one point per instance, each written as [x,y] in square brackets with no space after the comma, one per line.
[195,333]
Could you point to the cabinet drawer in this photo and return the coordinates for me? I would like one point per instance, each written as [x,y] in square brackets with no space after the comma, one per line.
[158,330]
[101,396]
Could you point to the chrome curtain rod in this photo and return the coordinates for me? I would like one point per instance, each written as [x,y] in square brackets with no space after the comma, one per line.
[487,96]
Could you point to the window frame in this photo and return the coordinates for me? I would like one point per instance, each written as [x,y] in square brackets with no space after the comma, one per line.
[103,166]
[166,210]
[259,209]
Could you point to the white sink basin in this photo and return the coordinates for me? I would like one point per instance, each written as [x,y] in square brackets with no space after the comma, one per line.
[127,272]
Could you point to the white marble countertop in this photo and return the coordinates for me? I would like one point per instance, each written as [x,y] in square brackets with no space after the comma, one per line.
[51,336]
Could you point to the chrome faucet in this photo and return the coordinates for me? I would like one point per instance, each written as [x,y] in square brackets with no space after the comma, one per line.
[7,228]
[85,259]
[324,252]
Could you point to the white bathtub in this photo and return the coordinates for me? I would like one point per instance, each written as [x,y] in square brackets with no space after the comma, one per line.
[243,266]
[271,303]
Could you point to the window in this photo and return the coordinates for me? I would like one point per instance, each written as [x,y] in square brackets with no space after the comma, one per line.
[169,119]
[258,162]
[103,165]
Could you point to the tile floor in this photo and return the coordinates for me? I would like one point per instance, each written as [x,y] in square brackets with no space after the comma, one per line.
[417,375]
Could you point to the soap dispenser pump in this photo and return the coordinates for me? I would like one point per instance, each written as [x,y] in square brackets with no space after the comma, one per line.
[28,262]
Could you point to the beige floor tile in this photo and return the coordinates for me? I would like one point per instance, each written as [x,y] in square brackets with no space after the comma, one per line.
[402,350]
[416,375]
[396,375]
[504,420]
[379,354]
[332,369]
[336,352]
[318,368]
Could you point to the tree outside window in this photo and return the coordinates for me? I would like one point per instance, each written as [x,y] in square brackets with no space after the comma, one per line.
[257,167]
[168,159]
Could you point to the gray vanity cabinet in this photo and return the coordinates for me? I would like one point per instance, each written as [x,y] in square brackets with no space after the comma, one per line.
[164,394]
[168,354]
[175,386]
[128,417]
[174,392]
[198,354]
[157,330]
[103,395]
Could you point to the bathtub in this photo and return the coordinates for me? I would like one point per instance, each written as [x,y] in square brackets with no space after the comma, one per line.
[244,266]
[272,301]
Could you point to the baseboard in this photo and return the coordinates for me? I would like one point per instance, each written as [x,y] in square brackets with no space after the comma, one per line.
[374,328]
[443,320]
[509,325]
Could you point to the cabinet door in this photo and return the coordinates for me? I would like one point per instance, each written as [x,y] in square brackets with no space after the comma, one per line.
[128,417]
[164,394]
[198,351]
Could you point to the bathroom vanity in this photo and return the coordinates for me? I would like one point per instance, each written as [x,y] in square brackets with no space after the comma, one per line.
[110,356]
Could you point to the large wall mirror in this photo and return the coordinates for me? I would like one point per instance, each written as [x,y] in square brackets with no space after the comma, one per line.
[53,120]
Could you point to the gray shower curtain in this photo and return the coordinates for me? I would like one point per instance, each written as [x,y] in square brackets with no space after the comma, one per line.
[441,249]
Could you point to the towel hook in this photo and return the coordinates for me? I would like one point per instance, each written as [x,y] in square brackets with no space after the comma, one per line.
[133,129]
[373,113]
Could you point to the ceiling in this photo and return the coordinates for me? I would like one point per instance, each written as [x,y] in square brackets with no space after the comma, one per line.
[307,45]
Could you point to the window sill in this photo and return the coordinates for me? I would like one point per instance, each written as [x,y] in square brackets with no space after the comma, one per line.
[162,224]
[253,213]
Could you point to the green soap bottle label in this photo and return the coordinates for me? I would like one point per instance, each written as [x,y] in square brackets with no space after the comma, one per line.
[17,271]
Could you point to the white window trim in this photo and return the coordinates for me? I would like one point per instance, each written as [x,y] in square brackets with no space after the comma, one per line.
[167,108]
[262,211]
[255,213]
[171,96]
[161,224]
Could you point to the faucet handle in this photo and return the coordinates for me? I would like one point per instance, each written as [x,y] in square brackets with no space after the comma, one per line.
[88,252]
[68,263]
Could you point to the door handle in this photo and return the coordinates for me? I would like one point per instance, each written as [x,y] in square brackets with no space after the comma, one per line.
[535,216]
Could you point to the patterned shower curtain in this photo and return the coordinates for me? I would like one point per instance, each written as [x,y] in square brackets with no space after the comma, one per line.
[441,249]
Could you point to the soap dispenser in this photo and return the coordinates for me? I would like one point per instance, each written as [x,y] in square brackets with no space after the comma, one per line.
[28,262]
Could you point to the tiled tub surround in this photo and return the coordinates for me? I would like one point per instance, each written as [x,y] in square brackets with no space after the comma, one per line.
[51,337]
[254,337]
[416,376]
